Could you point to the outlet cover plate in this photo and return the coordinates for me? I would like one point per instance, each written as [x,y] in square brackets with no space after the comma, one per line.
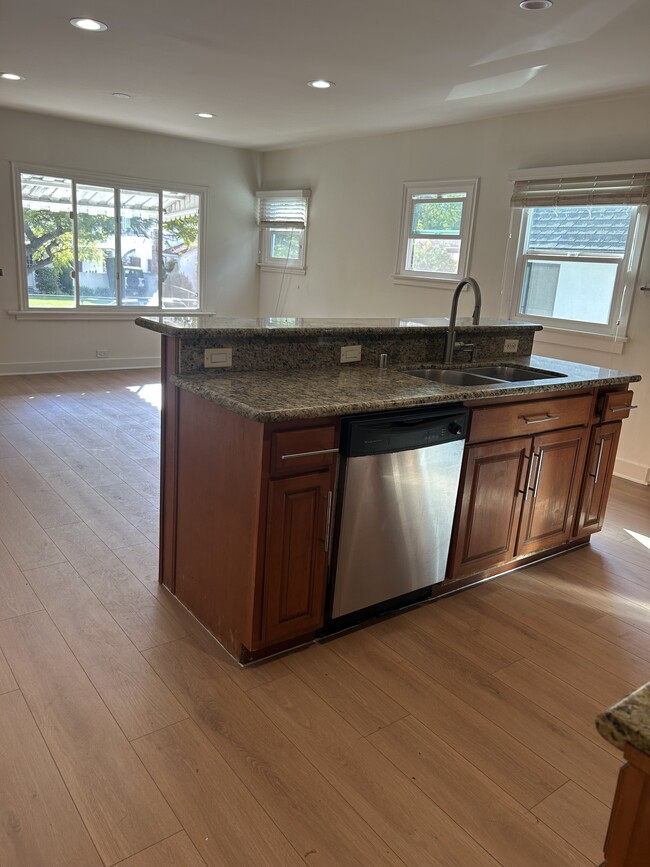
[217,358]
[102,353]
[350,353]
[511,345]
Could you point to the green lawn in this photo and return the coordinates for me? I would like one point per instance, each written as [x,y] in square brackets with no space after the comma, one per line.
[51,301]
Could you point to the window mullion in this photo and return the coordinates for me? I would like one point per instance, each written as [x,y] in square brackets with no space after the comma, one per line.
[160,250]
[75,245]
[118,245]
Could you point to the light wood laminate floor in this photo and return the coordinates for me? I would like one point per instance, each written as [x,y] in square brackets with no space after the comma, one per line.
[460,734]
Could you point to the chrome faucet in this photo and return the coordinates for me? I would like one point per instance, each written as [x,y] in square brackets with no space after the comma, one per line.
[451,343]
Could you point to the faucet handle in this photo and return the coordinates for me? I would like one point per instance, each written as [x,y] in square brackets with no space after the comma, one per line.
[466,347]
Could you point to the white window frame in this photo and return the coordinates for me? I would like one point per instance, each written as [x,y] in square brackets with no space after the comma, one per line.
[116,182]
[611,336]
[469,186]
[266,261]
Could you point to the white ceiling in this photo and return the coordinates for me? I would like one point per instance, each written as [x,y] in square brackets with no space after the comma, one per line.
[397,64]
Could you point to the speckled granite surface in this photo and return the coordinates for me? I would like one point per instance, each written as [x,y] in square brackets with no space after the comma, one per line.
[628,722]
[273,395]
[213,326]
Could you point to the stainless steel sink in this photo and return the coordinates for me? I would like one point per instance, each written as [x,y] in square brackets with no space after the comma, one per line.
[483,375]
[453,377]
[515,374]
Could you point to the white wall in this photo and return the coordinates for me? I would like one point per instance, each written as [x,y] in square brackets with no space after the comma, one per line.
[355,210]
[231,284]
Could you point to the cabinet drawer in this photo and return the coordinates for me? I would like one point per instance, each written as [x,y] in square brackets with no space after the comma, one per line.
[303,450]
[531,417]
[617,405]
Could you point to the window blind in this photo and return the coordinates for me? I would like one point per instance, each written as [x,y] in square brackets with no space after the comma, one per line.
[620,189]
[286,208]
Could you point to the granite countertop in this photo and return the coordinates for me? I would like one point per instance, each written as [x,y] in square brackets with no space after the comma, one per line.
[281,395]
[212,326]
[628,722]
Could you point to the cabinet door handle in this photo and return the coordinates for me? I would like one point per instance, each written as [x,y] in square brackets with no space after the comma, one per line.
[529,473]
[624,408]
[309,454]
[600,457]
[540,458]
[535,419]
[328,521]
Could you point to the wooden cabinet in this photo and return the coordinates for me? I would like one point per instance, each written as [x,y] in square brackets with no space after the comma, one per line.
[598,477]
[518,495]
[487,520]
[252,513]
[552,491]
[299,510]
[628,835]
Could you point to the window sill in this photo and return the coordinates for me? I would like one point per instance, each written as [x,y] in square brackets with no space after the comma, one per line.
[432,282]
[581,340]
[281,269]
[43,313]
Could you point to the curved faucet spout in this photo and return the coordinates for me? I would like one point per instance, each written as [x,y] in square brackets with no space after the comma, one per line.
[476,316]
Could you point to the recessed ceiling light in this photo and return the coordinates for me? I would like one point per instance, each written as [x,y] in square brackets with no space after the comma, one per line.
[535,5]
[88,24]
[11,76]
[321,84]
[203,114]
[119,95]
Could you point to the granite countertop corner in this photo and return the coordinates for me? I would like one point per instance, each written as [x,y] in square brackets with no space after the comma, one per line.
[628,721]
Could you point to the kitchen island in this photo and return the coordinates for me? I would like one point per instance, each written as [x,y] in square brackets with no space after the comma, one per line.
[250,458]
[626,725]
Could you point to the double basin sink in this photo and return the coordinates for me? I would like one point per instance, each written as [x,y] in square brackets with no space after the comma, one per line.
[483,375]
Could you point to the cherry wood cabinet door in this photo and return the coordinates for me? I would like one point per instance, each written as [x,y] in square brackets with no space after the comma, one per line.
[296,556]
[598,477]
[551,494]
[487,517]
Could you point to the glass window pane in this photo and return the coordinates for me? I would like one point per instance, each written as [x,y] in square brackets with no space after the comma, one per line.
[433,254]
[285,244]
[49,243]
[139,215]
[437,218]
[96,244]
[600,228]
[574,290]
[180,252]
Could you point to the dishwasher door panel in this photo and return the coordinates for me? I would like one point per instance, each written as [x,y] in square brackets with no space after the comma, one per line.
[396,519]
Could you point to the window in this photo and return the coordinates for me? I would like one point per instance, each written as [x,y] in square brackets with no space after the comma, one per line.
[104,244]
[578,249]
[437,219]
[283,229]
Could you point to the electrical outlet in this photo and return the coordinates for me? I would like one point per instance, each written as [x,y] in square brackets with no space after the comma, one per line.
[350,353]
[103,353]
[217,358]
[510,345]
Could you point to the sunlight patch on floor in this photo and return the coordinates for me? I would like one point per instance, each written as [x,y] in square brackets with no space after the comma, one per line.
[645,540]
[151,392]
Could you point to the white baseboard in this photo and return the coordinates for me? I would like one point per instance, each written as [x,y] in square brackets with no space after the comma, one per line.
[632,471]
[78,365]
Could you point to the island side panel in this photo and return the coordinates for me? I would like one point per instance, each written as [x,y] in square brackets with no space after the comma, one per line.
[219,489]
[168,461]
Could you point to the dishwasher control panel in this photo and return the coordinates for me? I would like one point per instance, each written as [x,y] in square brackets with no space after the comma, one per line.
[382,433]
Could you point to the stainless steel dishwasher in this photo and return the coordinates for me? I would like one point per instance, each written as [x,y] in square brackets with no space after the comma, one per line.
[398,484]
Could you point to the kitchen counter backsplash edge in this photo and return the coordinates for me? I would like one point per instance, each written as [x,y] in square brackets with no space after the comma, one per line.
[282,351]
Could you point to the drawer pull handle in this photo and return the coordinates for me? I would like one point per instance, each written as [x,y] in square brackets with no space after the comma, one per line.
[540,458]
[623,408]
[328,521]
[529,473]
[600,457]
[535,419]
[309,454]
